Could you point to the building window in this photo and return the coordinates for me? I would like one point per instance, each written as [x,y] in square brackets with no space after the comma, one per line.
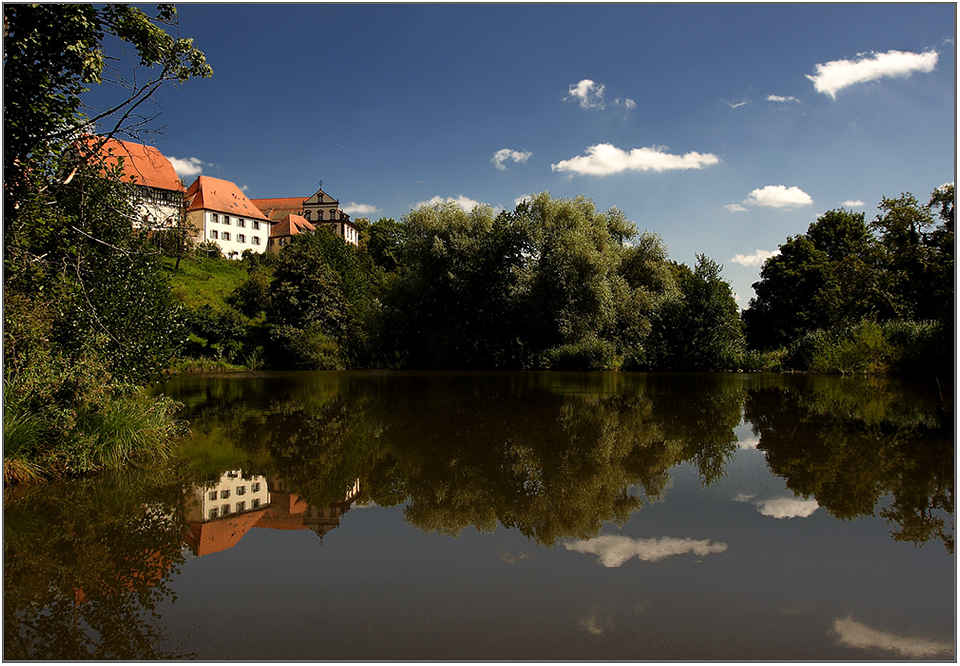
[241,238]
[214,217]
[213,494]
[255,487]
[241,506]
[241,490]
[213,513]
[226,219]
[213,234]
[226,509]
[270,242]
[306,215]
[255,503]
[240,222]
[254,224]
[224,494]
[226,235]
[283,241]
[256,240]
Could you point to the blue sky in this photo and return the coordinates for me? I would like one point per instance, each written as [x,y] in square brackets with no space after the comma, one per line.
[724,128]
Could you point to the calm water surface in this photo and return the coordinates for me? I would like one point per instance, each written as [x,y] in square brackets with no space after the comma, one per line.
[337,516]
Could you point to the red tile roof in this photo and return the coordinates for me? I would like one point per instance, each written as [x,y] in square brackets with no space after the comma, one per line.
[221,196]
[277,209]
[290,226]
[218,535]
[142,165]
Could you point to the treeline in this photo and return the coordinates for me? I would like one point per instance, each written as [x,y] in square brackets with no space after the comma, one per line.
[852,296]
[557,284]
[553,284]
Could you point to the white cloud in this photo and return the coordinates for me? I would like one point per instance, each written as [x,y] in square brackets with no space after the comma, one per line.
[782,99]
[755,259]
[354,208]
[736,105]
[589,93]
[778,196]
[504,154]
[187,166]
[520,200]
[604,159]
[513,559]
[749,444]
[787,507]
[736,208]
[627,103]
[781,507]
[836,75]
[613,550]
[466,203]
[598,620]
[858,635]
[853,203]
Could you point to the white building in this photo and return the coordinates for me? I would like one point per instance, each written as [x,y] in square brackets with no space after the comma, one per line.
[220,213]
[234,493]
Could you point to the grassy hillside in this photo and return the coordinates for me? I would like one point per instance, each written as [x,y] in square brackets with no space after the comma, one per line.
[221,336]
[204,281]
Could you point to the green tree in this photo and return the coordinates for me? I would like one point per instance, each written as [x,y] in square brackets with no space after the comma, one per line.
[73,265]
[307,313]
[822,279]
[699,328]
[574,270]
[383,240]
[452,303]
[52,52]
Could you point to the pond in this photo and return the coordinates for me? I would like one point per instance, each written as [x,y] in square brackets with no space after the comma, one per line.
[505,516]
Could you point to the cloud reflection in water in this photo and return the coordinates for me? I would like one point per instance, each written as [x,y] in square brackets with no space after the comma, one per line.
[613,550]
[858,635]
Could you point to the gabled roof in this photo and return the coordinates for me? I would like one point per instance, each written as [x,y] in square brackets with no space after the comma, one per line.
[321,195]
[217,535]
[221,196]
[142,165]
[277,209]
[290,226]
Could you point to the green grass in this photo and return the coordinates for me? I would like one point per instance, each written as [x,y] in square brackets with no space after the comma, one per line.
[205,281]
[127,429]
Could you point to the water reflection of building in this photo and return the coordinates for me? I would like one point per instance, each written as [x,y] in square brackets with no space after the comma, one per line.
[220,512]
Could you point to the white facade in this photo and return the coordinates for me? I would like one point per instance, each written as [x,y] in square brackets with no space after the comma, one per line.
[232,233]
[157,209]
[232,494]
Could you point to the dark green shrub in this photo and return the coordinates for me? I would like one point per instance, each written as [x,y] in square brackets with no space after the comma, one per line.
[585,355]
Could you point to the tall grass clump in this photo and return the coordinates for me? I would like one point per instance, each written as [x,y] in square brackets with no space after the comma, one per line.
[131,429]
[22,436]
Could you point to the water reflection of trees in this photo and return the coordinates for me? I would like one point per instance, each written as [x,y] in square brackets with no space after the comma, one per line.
[554,459]
[85,566]
[556,455]
[850,443]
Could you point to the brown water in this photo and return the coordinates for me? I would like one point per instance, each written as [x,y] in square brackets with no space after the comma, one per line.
[372,516]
